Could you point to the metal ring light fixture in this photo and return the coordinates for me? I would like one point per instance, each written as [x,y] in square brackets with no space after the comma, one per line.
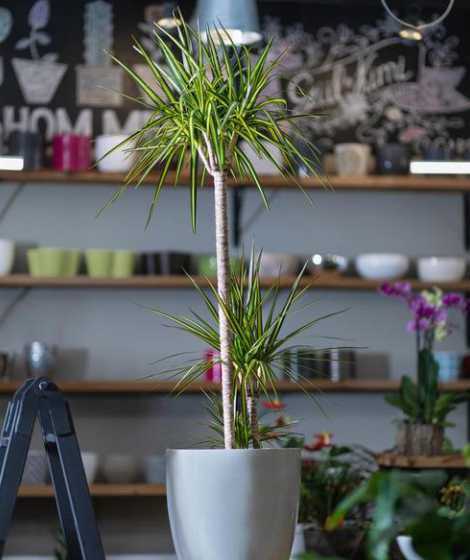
[415,32]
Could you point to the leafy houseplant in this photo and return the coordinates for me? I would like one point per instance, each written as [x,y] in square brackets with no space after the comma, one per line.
[210,97]
[425,407]
[416,505]
[329,474]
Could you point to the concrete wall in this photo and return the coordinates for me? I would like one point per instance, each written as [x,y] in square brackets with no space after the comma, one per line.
[107,334]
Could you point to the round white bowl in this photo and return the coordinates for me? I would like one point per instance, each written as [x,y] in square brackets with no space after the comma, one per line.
[7,255]
[276,264]
[441,269]
[118,161]
[90,464]
[120,469]
[382,266]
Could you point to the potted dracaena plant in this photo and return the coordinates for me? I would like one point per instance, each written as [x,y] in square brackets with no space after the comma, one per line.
[211,97]
[424,405]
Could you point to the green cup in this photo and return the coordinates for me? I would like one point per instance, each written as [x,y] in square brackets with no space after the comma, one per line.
[207,265]
[51,261]
[71,262]
[99,263]
[123,264]
[32,256]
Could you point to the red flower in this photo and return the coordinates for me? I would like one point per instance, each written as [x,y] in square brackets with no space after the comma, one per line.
[273,405]
[324,439]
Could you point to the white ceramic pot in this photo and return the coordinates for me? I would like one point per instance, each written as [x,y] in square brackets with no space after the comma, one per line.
[120,469]
[382,266]
[275,264]
[352,159]
[237,504]
[406,548]
[298,546]
[119,161]
[90,464]
[441,269]
[7,255]
[155,469]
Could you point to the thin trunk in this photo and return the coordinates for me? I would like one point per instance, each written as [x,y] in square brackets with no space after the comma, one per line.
[223,280]
[252,401]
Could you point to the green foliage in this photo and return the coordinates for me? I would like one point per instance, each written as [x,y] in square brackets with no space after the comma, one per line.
[409,503]
[206,98]
[279,432]
[328,479]
[422,402]
[257,320]
[60,551]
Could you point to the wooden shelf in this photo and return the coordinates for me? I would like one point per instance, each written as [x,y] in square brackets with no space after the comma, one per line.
[99,490]
[393,460]
[368,182]
[322,281]
[129,387]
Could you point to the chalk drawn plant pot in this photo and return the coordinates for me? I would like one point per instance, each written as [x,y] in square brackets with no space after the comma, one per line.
[38,79]
[146,74]
[99,86]
[239,504]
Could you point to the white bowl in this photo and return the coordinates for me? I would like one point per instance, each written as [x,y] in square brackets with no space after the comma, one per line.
[155,469]
[118,161]
[441,269]
[7,255]
[90,464]
[120,469]
[382,266]
[275,264]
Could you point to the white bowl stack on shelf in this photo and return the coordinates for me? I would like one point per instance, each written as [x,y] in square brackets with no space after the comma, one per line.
[441,269]
[382,266]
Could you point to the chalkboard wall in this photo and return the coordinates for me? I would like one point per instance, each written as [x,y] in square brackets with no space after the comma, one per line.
[348,64]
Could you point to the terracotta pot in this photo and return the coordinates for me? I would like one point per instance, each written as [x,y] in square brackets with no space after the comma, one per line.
[419,439]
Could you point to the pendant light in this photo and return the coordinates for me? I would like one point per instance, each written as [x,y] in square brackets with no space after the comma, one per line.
[414,32]
[237,20]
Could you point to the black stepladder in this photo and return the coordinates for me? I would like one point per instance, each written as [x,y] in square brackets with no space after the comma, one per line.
[40,398]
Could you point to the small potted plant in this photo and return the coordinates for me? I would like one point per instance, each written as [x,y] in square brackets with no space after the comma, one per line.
[425,407]
[40,76]
[99,82]
[329,473]
[6,22]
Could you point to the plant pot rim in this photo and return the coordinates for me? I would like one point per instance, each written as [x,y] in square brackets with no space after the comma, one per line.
[291,450]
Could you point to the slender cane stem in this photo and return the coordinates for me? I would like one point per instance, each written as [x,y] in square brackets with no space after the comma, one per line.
[223,279]
[252,401]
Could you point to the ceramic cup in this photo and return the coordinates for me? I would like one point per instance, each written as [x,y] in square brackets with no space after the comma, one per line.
[40,359]
[352,159]
[123,264]
[53,262]
[206,265]
[120,469]
[99,262]
[90,465]
[118,161]
[7,255]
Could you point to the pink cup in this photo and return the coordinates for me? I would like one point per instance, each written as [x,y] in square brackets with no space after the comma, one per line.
[71,152]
